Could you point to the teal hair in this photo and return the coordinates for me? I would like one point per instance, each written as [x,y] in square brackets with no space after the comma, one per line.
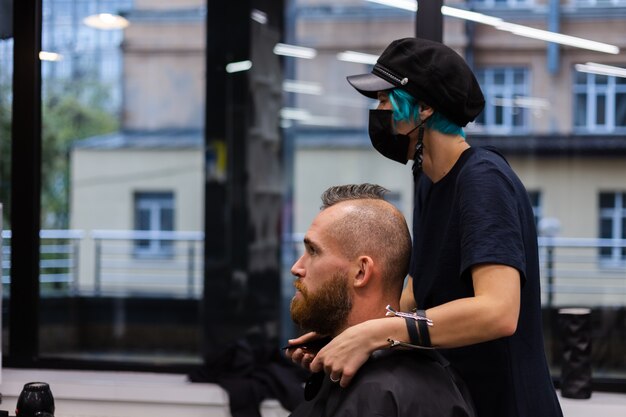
[406,108]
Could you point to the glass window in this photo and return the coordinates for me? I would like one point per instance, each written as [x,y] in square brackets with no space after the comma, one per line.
[612,224]
[599,104]
[6,102]
[505,90]
[154,212]
[122,181]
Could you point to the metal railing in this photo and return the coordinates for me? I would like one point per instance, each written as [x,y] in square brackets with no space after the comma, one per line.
[119,262]
[574,271]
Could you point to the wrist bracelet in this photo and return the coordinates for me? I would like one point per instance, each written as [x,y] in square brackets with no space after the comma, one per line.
[414,336]
[414,316]
[423,329]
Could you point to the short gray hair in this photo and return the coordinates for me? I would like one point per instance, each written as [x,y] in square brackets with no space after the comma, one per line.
[339,193]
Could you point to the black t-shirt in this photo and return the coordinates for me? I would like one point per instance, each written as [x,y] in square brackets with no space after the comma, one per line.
[480,213]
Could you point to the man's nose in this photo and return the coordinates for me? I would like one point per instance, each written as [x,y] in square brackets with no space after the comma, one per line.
[297,269]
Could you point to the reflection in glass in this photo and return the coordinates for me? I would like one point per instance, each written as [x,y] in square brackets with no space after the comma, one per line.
[122,182]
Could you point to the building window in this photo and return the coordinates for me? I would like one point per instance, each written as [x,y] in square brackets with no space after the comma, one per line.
[154,212]
[613,225]
[599,103]
[535,202]
[502,88]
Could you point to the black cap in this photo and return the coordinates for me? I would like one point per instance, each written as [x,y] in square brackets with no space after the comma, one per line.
[429,71]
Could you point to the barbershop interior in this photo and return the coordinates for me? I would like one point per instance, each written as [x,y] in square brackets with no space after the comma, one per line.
[162,160]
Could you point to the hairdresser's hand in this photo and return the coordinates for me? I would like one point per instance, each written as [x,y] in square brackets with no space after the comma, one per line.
[344,355]
[299,351]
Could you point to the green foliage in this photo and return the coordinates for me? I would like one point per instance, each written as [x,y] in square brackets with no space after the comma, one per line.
[70,112]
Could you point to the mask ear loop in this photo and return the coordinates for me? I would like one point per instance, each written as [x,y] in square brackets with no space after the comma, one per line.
[419,149]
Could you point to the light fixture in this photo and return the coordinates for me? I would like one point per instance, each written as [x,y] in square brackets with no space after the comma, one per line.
[559,38]
[530,32]
[105,21]
[294,51]
[468,15]
[293,113]
[520,30]
[50,56]
[258,16]
[593,68]
[238,66]
[358,57]
[410,5]
[302,87]
[522,101]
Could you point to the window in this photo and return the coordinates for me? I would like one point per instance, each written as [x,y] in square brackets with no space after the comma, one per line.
[154,212]
[599,103]
[502,88]
[613,225]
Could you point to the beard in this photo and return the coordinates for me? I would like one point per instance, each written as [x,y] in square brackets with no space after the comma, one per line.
[324,311]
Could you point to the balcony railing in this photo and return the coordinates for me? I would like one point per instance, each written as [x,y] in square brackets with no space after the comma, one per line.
[116,262]
[574,271]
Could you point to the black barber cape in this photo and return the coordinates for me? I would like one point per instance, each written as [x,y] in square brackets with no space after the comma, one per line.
[394,383]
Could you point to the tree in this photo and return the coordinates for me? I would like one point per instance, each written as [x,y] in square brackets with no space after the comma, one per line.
[70,112]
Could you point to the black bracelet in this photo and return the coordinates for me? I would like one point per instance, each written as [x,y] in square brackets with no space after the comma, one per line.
[414,336]
[423,329]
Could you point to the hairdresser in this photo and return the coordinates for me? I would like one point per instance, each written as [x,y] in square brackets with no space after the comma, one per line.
[473,285]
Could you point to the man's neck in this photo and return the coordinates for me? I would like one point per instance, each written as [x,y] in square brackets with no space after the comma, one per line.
[368,310]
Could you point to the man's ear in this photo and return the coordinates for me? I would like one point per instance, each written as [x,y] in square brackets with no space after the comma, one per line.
[365,266]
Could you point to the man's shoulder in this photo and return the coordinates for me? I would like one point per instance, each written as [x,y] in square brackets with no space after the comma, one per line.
[407,383]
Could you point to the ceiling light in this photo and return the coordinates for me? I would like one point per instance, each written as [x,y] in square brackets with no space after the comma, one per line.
[593,68]
[516,29]
[559,38]
[258,16]
[238,66]
[106,21]
[522,101]
[50,56]
[473,16]
[292,113]
[410,5]
[302,87]
[358,57]
[294,51]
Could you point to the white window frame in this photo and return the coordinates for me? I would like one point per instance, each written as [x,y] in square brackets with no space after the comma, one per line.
[503,95]
[592,89]
[154,203]
[617,216]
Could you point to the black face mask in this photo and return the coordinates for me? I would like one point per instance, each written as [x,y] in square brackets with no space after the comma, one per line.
[394,146]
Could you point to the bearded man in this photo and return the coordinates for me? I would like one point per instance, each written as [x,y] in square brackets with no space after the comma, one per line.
[356,257]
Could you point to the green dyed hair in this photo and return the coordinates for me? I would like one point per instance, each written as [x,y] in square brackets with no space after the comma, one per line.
[406,108]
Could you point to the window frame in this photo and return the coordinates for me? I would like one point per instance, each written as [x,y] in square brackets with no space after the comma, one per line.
[616,215]
[156,203]
[507,91]
[591,88]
